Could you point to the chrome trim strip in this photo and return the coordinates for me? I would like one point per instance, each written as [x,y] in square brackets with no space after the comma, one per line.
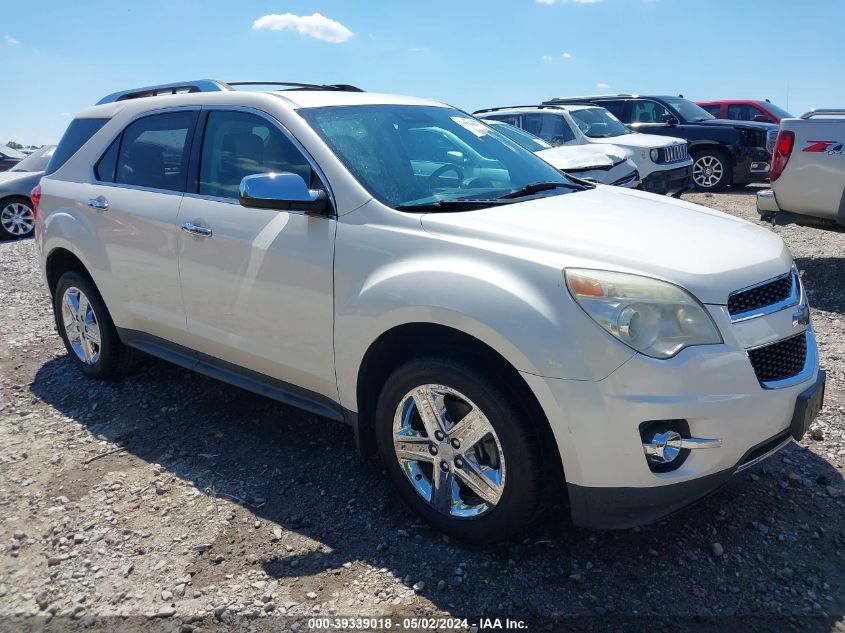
[823,112]
[811,363]
[766,455]
[795,297]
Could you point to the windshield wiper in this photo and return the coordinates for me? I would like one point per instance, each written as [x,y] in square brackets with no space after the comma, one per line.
[537,187]
[465,204]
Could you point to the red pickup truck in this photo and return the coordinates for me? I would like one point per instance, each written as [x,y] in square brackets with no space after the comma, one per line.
[746,110]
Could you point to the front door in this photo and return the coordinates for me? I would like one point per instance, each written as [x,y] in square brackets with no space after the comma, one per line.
[257,283]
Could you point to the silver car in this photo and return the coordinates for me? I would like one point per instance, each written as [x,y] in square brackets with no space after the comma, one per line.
[17,219]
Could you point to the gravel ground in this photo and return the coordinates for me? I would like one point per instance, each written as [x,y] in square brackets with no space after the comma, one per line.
[183,500]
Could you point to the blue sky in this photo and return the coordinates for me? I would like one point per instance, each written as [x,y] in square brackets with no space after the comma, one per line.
[57,57]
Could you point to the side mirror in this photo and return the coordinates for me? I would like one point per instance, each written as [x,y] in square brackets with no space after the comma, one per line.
[762,118]
[669,119]
[283,191]
[457,156]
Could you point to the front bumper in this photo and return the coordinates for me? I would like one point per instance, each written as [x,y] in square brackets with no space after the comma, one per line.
[713,388]
[752,165]
[669,181]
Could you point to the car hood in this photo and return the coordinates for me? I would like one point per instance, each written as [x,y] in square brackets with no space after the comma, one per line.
[13,179]
[638,140]
[583,156]
[707,252]
[738,125]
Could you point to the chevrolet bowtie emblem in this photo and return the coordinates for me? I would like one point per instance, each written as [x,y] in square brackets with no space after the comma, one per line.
[801,316]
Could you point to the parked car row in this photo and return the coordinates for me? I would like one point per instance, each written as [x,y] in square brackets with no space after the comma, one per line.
[17,219]
[487,324]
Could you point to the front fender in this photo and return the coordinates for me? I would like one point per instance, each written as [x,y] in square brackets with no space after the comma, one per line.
[518,307]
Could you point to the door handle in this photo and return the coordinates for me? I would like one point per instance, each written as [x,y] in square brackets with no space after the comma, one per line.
[98,203]
[193,229]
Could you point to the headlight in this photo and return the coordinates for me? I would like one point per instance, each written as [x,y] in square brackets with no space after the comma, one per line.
[651,316]
[655,155]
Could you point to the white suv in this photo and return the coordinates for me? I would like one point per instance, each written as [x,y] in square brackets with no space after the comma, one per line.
[489,327]
[664,163]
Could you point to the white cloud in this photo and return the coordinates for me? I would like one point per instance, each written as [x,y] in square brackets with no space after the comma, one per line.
[546,58]
[317,26]
[11,40]
[601,84]
[567,56]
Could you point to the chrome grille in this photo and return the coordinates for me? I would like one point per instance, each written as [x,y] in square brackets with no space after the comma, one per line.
[769,293]
[780,360]
[674,153]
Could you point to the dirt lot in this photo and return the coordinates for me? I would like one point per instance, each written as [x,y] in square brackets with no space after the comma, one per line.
[172,497]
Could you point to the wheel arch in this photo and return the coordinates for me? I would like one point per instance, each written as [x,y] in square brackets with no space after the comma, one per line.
[59,261]
[408,341]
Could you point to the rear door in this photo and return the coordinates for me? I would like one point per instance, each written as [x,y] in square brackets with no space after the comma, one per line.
[137,189]
[258,285]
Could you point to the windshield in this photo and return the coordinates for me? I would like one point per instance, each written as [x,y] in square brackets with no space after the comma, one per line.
[688,110]
[37,161]
[409,155]
[777,111]
[521,137]
[598,123]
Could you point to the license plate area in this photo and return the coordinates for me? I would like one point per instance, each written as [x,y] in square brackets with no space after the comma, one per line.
[807,407]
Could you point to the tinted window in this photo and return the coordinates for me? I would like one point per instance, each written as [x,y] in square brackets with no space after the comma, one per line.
[107,165]
[712,109]
[154,151]
[617,108]
[77,134]
[238,144]
[778,111]
[549,127]
[648,112]
[742,112]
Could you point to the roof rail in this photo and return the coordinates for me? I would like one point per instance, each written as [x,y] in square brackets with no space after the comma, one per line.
[213,85]
[516,107]
[823,112]
[578,99]
[201,85]
[298,86]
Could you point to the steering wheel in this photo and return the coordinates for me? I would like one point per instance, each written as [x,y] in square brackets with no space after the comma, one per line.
[437,173]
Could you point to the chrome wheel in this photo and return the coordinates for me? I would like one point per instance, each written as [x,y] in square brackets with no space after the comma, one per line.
[448,450]
[707,171]
[80,324]
[17,219]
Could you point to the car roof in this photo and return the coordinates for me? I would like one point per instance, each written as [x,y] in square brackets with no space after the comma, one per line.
[566,107]
[293,99]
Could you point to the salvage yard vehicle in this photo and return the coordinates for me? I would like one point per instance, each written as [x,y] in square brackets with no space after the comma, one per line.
[603,164]
[746,110]
[17,219]
[9,157]
[490,330]
[664,165]
[725,152]
[808,171]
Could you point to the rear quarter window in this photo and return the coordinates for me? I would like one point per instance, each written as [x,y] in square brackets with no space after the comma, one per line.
[77,134]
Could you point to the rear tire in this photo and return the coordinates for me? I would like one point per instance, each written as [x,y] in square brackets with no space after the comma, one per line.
[493,480]
[711,171]
[87,330]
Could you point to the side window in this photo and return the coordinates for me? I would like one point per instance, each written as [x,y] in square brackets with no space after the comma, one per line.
[239,144]
[77,134]
[617,108]
[741,112]
[154,152]
[713,109]
[510,119]
[648,112]
[106,167]
[549,127]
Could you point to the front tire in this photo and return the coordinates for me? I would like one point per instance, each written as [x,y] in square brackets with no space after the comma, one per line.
[711,171]
[458,450]
[17,219]
[87,330]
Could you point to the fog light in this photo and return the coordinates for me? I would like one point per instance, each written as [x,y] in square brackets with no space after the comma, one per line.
[666,447]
